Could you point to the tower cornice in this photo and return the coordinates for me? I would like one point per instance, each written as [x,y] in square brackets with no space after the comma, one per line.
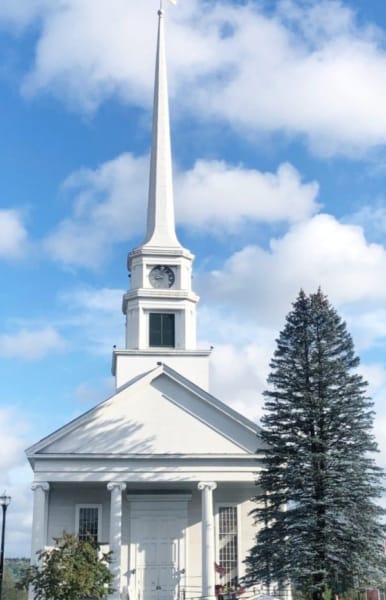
[156,252]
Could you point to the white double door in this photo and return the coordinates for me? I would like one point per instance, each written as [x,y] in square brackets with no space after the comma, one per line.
[157,557]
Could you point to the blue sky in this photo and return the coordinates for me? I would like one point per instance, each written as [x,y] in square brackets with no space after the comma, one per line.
[279,139]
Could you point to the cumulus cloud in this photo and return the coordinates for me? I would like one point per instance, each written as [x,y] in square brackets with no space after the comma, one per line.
[306,70]
[15,477]
[91,299]
[22,13]
[375,374]
[368,325]
[94,315]
[329,70]
[90,393]
[238,376]
[108,207]
[220,196]
[31,345]
[19,515]
[89,50]
[372,218]
[13,235]
[318,252]
[109,203]
[240,357]
[13,433]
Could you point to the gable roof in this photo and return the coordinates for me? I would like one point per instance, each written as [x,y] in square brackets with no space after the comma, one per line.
[158,413]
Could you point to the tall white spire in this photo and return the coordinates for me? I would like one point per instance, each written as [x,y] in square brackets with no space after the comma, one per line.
[160,213]
[160,305]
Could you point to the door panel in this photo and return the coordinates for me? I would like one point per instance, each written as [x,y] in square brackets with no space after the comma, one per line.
[157,553]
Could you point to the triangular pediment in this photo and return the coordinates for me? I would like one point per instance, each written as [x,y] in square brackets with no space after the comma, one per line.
[160,413]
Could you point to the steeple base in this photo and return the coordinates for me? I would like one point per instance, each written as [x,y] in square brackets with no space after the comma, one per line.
[192,364]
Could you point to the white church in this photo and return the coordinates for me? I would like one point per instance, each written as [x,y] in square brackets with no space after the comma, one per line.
[162,473]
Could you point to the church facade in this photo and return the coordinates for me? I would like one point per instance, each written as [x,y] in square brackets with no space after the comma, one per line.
[162,473]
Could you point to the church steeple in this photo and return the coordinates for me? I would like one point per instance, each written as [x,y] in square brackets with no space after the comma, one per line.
[160,212]
[160,306]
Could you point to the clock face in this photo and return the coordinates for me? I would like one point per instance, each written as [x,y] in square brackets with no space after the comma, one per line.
[161,276]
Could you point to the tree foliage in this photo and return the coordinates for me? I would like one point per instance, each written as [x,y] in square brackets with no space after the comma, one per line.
[72,570]
[319,522]
[10,589]
[17,566]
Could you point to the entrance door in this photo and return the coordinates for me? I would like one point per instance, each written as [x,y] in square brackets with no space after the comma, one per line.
[157,561]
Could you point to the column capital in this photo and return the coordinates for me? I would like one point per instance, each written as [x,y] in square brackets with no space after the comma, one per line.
[44,485]
[209,485]
[112,485]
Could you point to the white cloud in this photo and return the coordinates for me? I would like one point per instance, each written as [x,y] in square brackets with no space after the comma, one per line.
[15,478]
[90,393]
[368,325]
[21,13]
[372,218]
[375,375]
[78,57]
[317,74]
[220,196]
[13,428]
[319,252]
[13,235]
[94,317]
[19,517]
[17,483]
[90,299]
[109,206]
[31,345]
[238,376]
[306,70]
[239,361]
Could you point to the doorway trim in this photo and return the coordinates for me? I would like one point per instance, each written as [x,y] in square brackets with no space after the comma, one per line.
[142,505]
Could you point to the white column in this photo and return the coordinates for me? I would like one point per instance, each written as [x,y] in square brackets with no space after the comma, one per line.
[207,529]
[116,488]
[39,522]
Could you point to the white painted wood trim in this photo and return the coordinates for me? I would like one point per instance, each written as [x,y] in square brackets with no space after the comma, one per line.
[158,497]
[163,503]
[219,505]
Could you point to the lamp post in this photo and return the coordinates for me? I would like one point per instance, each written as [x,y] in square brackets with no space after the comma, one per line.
[4,501]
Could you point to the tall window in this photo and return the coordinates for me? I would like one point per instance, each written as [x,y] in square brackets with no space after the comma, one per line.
[228,544]
[88,518]
[161,330]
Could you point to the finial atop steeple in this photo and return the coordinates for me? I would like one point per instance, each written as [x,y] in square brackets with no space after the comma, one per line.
[160,213]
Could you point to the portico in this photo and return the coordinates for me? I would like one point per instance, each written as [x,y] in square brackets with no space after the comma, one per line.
[158,514]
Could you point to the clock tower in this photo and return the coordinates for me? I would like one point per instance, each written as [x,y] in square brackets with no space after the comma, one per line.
[160,306]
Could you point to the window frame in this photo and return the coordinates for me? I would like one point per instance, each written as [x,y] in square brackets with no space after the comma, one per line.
[162,313]
[78,508]
[219,505]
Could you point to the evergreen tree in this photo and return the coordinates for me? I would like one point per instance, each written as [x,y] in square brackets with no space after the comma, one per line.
[319,523]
